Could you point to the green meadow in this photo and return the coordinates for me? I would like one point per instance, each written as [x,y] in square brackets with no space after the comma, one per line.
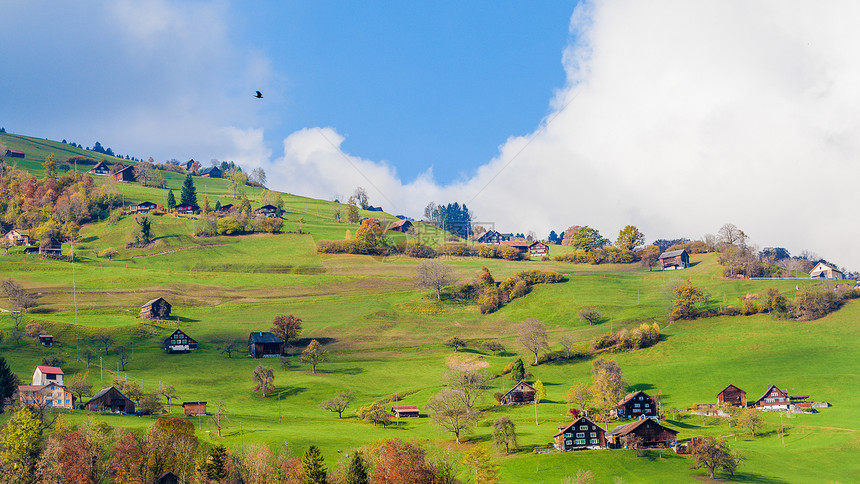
[384,337]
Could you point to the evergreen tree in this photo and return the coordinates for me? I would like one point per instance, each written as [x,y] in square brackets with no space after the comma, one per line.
[171,200]
[8,383]
[218,206]
[189,193]
[215,466]
[518,371]
[357,471]
[313,466]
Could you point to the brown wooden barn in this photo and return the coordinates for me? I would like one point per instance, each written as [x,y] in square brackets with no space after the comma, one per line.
[110,400]
[652,434]
[168,478]
[15,154]
[262,344]
[404,226]
[635,405]
[405,411]
[157,308]
[521,246]
[194,409]
[674,259]
[580,434]
[733,396]
[124,174]
[46,339]
[211,172]
[522,393]
[51,248]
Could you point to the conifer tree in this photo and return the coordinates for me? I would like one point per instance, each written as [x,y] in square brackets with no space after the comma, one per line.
[313,466]
[189,193]
[171,200]
[357,471]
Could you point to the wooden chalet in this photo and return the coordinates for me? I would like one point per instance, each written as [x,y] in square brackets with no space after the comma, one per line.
[50,248]
[262,344]
[46,339]
[404,411]
[125,174]
[110,400]
[404,226]
[184,209]
[492,237]
[651,433]
[17,238]
[774,399]
[226,208]
[580,434]
[211,172]
[521,246]
[194,409]
[143,207]
[179,342]
[188,164]
[674,259]
[168,478]
[15,154]
[268,211]
[157,308]
[733,396]
[44,375]
[824,271]
[101,168]
[634,405]
[51,395]
[538,249]
[521,394]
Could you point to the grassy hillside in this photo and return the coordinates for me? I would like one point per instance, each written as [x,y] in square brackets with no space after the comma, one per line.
[384,337]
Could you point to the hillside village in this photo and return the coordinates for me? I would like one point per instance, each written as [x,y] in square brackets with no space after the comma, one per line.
[184,323]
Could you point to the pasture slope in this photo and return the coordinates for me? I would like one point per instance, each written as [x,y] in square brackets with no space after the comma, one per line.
[384,337]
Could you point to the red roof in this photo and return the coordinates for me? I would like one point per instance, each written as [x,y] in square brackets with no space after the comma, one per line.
[46,336]
[405,408]
[516,243]
[50,369]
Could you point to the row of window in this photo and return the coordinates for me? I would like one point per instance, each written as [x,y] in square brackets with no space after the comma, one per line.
[579,434]
[582,442]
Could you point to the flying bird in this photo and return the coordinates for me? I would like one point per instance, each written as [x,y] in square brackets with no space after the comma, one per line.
[259,95]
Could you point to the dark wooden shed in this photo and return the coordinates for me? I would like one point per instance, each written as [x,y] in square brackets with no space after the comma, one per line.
[733,395]
[674,259]
[157,308]
[110,400]
[262,344]
[520,394]
[124,174]
[580,434]
[651,433]
[194,409]
[404,411]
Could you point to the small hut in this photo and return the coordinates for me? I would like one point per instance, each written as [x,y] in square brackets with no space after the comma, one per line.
[157,308]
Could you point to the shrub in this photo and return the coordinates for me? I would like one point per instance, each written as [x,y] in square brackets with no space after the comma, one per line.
[489,301]
[456,249]
[228,226]
[421,251]
[520,289]
[749,307]
[508,253]
[486,250]
[813,302]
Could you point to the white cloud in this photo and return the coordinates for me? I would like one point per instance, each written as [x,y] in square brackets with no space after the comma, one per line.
[681,116]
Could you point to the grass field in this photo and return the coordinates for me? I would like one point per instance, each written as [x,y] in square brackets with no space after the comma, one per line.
[384,337]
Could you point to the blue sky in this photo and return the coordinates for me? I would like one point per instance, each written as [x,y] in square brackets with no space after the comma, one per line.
[671,115]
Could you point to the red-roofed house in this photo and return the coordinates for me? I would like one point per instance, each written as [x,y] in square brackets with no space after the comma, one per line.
[522,246]
[47,374]
[14,154]
[405,411]
[580,434]
[774,398]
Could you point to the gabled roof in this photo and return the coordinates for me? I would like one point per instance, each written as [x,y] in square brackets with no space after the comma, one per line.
[266,207]
[104,391]
[50,369]
[98,165]
[129,167]
[183,333]
[561,430]
[518,384]
[264,337]
[730,386]
[210,170]
[516,243]
[672,253]
[629,397]
[537,243]
[769,388]
[150,303]
[398,224]
[192,403]
[623,430]
[404,408]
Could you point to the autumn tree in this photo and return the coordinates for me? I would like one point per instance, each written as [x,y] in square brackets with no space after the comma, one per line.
[313,466]
[264,379]
[314,354]
[649,257]
[470,383]
[455,342]
[608,387]
[504,433]
[50,166]
[75,460]
[370,231]
[587,239]
[127,459]
[19,441]
[352,215]
[287,327]
[401,462]
[338,403]
[687,296]
[6,244]
[435,275]
[451,414]
[730,235]
[540,391]
[750,419]
[171,446]
[532,336]
[486,471]
[374,413]
[629,238]
[110,253]
[579,394]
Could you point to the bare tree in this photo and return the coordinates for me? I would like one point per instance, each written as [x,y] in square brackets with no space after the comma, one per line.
[567,343]
[228,346]
[731,235]
[79,386]
[22,301]
[219,416]
[169,393]
[360,196]
[105,340]
[471,384]
[338,403]
[264,377]
[6,244]
[493,346]
[450,414]
[123,356]
[88,355]
[532,336]
[435,275]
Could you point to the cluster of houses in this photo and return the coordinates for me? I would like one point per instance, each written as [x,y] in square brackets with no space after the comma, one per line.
[532,248]
[126,173]
[51,248]
[645,431]
[269,211]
